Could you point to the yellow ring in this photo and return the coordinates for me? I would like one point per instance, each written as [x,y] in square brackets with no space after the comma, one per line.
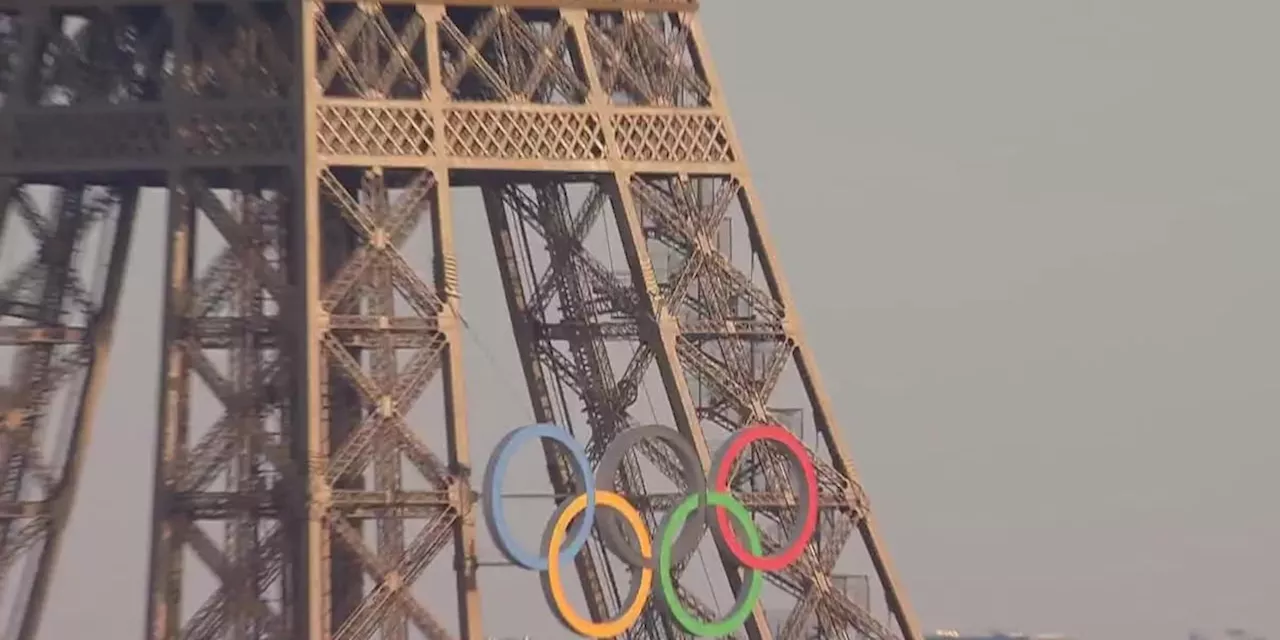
[584,626]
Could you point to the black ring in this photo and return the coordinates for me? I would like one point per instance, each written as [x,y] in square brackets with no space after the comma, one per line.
[612,532]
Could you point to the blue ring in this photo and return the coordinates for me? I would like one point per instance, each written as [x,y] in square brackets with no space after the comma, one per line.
[496,471]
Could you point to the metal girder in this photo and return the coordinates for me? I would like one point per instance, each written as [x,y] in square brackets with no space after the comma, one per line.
[313,138]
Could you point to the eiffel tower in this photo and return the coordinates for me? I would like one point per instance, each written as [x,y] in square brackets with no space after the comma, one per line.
[300,145]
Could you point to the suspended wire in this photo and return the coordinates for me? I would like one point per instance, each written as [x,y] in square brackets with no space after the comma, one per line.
[474,336]
[700,555]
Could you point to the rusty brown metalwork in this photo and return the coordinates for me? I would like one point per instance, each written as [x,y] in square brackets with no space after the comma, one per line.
[314,137]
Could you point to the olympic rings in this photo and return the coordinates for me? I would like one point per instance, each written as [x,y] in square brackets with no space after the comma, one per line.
[553,588]
[679,536]
[691,468]
[800,461]
[496,518]
[670,596]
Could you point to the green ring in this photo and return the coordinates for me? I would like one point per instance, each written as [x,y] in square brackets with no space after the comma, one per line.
[746,602]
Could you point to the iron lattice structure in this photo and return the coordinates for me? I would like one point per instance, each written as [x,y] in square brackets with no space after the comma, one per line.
[314,138]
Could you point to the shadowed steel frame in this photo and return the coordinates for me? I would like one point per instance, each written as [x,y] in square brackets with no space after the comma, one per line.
[309,113]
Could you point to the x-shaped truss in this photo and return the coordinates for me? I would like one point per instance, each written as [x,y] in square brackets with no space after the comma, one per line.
[376,271]
[58,325]
[709,293]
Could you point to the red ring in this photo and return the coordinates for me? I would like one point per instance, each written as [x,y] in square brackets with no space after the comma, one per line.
[724,459]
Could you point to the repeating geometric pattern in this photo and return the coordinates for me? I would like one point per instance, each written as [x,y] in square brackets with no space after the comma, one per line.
[362,130]
[112,136]
[314,138]
[503,55]
[372,52]
[235,131]
[647,59]
[524,134]
[55,315]
[692,138]
[735,345]
[584,291]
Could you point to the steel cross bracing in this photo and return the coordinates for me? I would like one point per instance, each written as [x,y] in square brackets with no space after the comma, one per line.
[317,336]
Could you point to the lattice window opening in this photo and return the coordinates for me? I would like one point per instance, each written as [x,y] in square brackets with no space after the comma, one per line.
[727,375]
[857,588]
[112,56]
[53,136]
[596,259]
[34,271]
[33,214]
[375,130]
[239,51]
[511,55]
[746,365]
[216,132]
[753,472]
[712,270]
[394,209]
[750,360]
[679,137]
[236,314]
[670,257]
[732,392]
[219,614]
[361,549]
[248,552]
[238,432]
[374,52]
[533,135]
[257,204]
[647,59]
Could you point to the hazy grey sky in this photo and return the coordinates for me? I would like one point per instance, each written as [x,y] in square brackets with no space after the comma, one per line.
[1036,244]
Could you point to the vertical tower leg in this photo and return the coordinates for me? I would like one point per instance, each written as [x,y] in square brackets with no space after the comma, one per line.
[412,339]
[465,554]
[229,494]
[226,492]
[855,500]
[98,347]
[525,321]
[59,331]
[164,593]
[719,325]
